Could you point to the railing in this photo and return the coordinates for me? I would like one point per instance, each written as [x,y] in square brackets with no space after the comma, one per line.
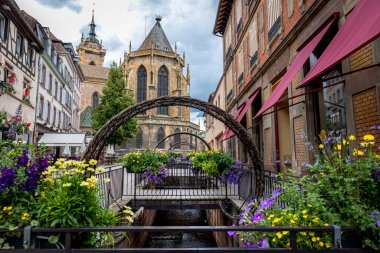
[66,246]
[181,183]
[113,190]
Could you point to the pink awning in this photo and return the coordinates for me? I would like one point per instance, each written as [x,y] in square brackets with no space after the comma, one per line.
[240,116]
[236,115]
[361,27]
[293,69]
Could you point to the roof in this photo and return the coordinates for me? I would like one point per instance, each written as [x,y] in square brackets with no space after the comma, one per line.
[85,118]
[62,139]
[222,15]
[31,21]
[156,37]
[92,71]
[59,48]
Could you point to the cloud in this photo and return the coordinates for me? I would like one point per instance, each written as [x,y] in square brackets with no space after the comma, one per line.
[196,116]
[59,4]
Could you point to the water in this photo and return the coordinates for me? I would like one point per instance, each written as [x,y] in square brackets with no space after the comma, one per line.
[188,217]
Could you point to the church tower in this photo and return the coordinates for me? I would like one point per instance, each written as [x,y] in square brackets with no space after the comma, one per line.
[90,50]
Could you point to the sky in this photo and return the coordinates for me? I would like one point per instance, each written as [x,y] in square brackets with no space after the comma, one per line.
[189,23]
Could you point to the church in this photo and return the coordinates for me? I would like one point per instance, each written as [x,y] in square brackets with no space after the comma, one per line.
[156,70]
[153,70]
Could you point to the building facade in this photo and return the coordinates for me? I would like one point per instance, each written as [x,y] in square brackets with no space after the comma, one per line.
[20,52]
[261,38]
[58,87]
[152,71]
[91,60]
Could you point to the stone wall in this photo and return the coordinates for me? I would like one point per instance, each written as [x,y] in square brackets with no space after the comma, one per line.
[216,217]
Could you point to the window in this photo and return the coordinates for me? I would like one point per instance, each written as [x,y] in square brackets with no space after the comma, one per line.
[229,83]
[274,18]
[240,66]
[290,7]
[54,115]
[56,87]
[60,94]
[41,107]
[160,136]
[50,87]
[139,139]
[43,79]
[48,112]
[3,28]
[141,84]
[227,41]
[253,44]
[262,37]
[26,91]
[238,12]
[30,56]
[177,138]
[163,88]
[19,45]
[95,100]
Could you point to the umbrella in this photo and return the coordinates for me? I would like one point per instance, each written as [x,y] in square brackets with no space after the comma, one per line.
[112,150]
[109,151]
[66,151]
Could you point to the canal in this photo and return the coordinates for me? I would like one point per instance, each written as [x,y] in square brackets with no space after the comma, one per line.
[178,239]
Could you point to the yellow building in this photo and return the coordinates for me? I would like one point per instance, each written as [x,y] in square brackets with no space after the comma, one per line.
[152,71]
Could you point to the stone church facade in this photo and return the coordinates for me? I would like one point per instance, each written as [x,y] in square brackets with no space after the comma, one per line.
[152,71]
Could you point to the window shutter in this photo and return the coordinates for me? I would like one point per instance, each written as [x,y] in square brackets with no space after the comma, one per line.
[38,105]
[45,110]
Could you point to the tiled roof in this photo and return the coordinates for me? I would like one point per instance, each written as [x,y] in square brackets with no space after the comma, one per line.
[29,19]
[85,118]
[158,38]
[92,71]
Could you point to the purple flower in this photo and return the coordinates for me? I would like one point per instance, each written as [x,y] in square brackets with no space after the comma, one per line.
[257,217]
[349,160]
[276,193]
[373,214]
[267,203]
[7,178]
[251,202]
[264,243]
[278,162]
[378,223]
[373,127]
[232,233]
[243,214]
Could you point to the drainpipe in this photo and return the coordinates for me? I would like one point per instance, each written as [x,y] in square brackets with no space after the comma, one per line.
[277,140]
[37,96]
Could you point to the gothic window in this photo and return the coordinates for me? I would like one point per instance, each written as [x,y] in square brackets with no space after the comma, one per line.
[139,139]
[163,88]
[141,84]
[160,136]
[177,138]
[95,99]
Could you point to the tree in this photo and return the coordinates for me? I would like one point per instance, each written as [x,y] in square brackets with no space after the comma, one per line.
[115,99]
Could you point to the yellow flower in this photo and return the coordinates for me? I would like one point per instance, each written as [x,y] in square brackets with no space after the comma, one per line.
[274,240]
[326,225]
[292,221]
[344,142]
[308,205]
[321,146]
[279,235]
[303,233]
[91,170]
[369,137]
[360,153]
[107,180]
[93,162]
[327,245]
[352,137]
[311,233]
[100,170]
[323,135]
[338,147]
[318,238]
[321,244]
[314,239]
[66,185]
[285,232]
[287,245]
[271,216]
[304,211]
[85,184]
[10,213]
[305,216]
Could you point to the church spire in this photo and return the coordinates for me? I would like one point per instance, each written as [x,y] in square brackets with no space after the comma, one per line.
[92,34]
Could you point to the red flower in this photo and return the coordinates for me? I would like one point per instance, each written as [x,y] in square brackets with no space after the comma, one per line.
[12,79]
[28,124]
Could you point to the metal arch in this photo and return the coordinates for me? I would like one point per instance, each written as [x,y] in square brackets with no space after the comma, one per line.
[182,143]
[196,136]
[95,147]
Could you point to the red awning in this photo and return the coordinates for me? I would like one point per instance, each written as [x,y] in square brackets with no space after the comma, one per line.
[293,69]
[361,27]
[236,115]
[240,116]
